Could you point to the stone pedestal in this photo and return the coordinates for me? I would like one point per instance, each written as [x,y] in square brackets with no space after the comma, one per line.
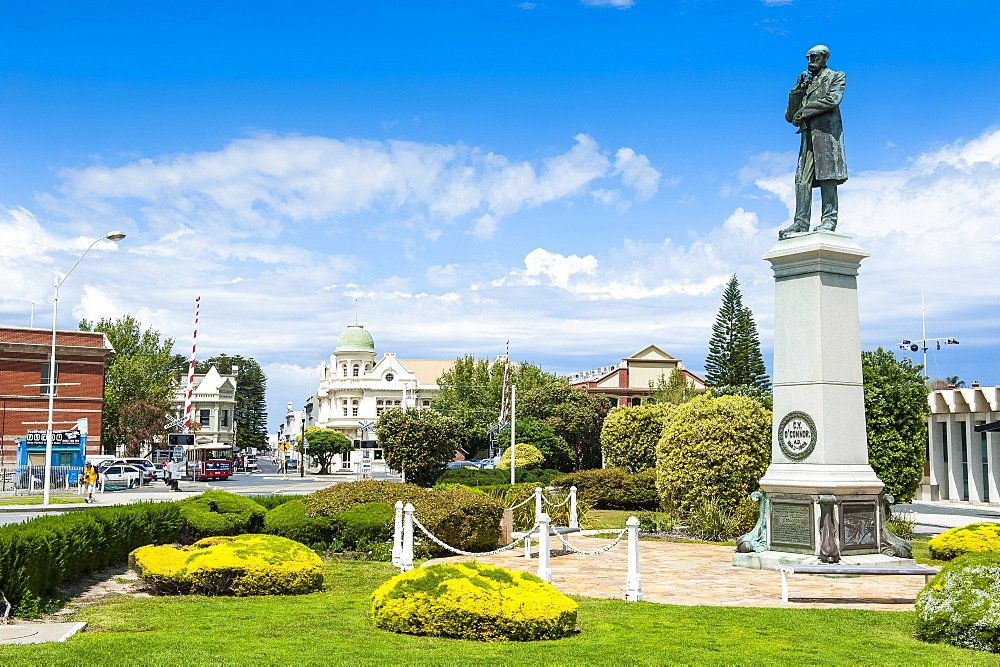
[821,499]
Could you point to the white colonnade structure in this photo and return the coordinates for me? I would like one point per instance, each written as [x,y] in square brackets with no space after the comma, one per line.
[963,445]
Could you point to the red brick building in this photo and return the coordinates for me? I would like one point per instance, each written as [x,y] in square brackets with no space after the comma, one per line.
[24,366]
[627,383]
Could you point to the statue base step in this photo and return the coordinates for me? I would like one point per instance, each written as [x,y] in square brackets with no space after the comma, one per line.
[769,560]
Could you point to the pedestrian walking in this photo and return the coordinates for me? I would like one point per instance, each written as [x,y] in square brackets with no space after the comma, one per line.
[89,481]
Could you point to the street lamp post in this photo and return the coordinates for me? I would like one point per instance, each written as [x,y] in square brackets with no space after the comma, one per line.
[56,284]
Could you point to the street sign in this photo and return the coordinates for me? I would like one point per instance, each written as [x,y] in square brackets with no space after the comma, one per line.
[283,447]
[37,437]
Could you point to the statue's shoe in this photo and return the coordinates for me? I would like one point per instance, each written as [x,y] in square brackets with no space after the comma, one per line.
[826,227]
[794,229]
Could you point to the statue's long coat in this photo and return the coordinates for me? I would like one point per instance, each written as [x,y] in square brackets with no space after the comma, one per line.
[820,105]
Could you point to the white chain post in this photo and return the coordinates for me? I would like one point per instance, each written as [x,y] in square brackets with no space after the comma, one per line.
[527,542]
[633,583]
[397,535]
[574,520]
[544,569]
[406,559]
[538,503]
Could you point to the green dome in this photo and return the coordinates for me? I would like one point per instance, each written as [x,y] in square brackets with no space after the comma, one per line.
[355,339]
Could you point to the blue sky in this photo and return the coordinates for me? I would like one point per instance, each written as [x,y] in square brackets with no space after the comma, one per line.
[579,176]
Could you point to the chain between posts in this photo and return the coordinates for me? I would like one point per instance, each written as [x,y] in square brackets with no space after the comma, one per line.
[469,553]
[592,553]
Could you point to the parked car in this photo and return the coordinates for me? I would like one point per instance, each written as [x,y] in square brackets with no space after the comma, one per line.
[461,464]
[147,469]
[126,476]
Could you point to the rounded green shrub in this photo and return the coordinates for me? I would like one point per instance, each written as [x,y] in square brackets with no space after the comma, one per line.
[218,513]
[290,520]
[960,605]
[473,601]
[973,538]
[713,448]
[613,488]
[528,457]
[365,524]
[467,521]
[231,565]
[630,433]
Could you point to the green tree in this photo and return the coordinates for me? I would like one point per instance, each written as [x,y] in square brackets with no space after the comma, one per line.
[539,435]
[713,450]
[137,382]
[417,442]
[326,443]
[762,396]
[896,414]
[630,435]
[672,390]
[734,356]
[471,393]
[250,415]
[572,414]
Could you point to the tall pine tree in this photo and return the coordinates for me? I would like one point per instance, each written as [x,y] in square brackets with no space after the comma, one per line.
[734,357]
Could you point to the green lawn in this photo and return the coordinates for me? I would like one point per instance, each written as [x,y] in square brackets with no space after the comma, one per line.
[37,500]
[333,627]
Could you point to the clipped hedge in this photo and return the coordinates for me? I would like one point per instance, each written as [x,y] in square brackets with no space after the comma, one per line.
[960,606]
[231,565]
[290,520]
[270,502]
[473,601]
[364,525]
[467,521]
[218,513]
[975,537]
[36,557]
[495,476]
[614,488]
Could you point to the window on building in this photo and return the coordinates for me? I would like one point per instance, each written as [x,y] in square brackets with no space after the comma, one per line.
[346,460]
[378,401]
[379,411]
[345,412]
[356,371]
[427,404]
[44,389]
[354,402]
[65,459]
[354,412]
[345,370]
[224,418]
[398,403]
[343,401]
[636,401]
[389,377]
[204,417]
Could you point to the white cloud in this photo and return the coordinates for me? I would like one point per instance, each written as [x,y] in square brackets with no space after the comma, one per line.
[637,173]
[259,186]
[741,222]
[617,4]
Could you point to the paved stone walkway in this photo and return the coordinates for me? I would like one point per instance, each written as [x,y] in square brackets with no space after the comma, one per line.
[703,574]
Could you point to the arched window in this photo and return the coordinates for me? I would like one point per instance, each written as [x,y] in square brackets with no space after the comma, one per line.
[345,370]
[389,377]
[356,371]
[636,401]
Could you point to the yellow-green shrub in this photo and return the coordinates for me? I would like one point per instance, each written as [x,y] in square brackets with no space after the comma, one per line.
[528,457]
[241,565]
[965,539]
[712,449]
[473,601]
[959,605]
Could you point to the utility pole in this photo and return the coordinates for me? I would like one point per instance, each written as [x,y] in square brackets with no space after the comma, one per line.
[513,401]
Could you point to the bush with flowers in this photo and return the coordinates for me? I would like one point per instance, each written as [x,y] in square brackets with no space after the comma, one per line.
[227,565]
[473,601]
[960,605]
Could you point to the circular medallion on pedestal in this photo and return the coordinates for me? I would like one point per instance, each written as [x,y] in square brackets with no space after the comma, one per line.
[797,435]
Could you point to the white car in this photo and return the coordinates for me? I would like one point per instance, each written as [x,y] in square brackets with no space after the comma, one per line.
[146,467]
[127,476]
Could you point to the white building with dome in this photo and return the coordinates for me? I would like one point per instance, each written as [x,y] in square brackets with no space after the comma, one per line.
[357,386]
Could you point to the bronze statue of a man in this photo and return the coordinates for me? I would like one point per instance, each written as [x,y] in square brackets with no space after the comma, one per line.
[814,108]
